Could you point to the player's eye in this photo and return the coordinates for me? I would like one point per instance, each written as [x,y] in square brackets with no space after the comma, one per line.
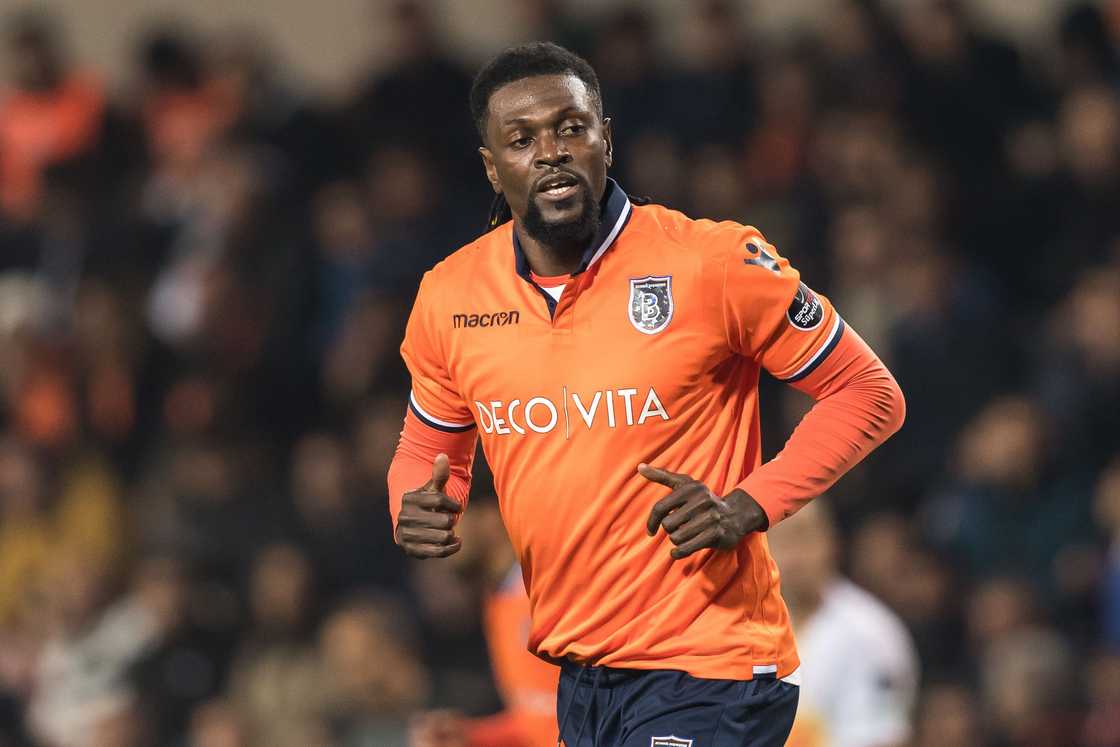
[521,142]
[572,129]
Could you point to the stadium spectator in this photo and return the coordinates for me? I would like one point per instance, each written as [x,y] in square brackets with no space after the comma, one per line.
[1020,713]
[50,113]
[1003,490]
[187,663]
[949,715]
[216,723]
[1107,511]
[1102,723]
[386,109]
[276,680]
[333,519]
[860,673]
[371,678]
[627,52]
[90,642]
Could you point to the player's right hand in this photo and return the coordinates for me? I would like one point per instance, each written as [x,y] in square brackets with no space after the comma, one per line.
[426,523]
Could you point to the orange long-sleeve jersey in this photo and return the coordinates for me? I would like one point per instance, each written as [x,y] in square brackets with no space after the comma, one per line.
[652,354]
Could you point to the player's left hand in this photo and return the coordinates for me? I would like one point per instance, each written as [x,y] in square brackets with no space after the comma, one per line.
[696,518]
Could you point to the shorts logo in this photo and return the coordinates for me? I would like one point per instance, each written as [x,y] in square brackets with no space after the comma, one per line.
[651,303]
[805,311]
[669,742]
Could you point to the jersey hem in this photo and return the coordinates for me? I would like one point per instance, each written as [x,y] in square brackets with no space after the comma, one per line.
[704,668]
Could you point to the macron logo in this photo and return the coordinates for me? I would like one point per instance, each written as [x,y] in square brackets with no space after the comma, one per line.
[497,319]
[612,407]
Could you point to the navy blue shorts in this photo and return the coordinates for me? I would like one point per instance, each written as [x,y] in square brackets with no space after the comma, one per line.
[663,708]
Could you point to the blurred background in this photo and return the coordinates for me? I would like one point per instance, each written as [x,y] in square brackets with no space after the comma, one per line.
[213,218]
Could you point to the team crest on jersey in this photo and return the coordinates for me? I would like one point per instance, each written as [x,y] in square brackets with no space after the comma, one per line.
[805,311]
[669,742]
[651,303]
[763,260]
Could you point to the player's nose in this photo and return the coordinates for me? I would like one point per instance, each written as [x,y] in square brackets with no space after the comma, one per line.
[552,152]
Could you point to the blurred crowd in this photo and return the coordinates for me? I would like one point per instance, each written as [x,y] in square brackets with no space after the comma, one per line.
[204,276]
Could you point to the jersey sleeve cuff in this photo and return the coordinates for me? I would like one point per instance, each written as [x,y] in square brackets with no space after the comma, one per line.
[772,504]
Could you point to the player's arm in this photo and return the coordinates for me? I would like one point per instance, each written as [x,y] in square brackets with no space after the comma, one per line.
[796,335]
[429,482]
[770,316]
[429,477]
[858,406]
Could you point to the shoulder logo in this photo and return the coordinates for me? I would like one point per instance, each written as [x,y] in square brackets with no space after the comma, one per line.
[669,742]
[651,303]
[497,319]
[805,310]
[761,258]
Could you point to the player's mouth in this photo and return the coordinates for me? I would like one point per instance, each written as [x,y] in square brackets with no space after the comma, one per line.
[557,187]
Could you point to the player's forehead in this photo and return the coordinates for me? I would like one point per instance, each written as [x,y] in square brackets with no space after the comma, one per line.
[540,97]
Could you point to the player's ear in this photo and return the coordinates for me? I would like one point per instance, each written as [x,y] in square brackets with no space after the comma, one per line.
[607,137]
[491,172]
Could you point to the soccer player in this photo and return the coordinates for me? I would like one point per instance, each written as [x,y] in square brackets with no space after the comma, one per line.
[860,665]
[608,353]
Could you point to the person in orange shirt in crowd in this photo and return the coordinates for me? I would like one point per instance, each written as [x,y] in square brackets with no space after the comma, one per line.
[608,354]
[526,684]
[48,115]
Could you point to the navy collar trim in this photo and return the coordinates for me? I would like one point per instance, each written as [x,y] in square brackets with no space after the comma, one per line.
[615,210]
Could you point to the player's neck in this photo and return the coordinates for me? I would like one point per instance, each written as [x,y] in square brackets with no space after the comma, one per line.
[550,260]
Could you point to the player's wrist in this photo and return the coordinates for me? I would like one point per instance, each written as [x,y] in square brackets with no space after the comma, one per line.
[752,516]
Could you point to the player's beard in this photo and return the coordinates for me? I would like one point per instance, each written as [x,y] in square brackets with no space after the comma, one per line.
[567,236]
